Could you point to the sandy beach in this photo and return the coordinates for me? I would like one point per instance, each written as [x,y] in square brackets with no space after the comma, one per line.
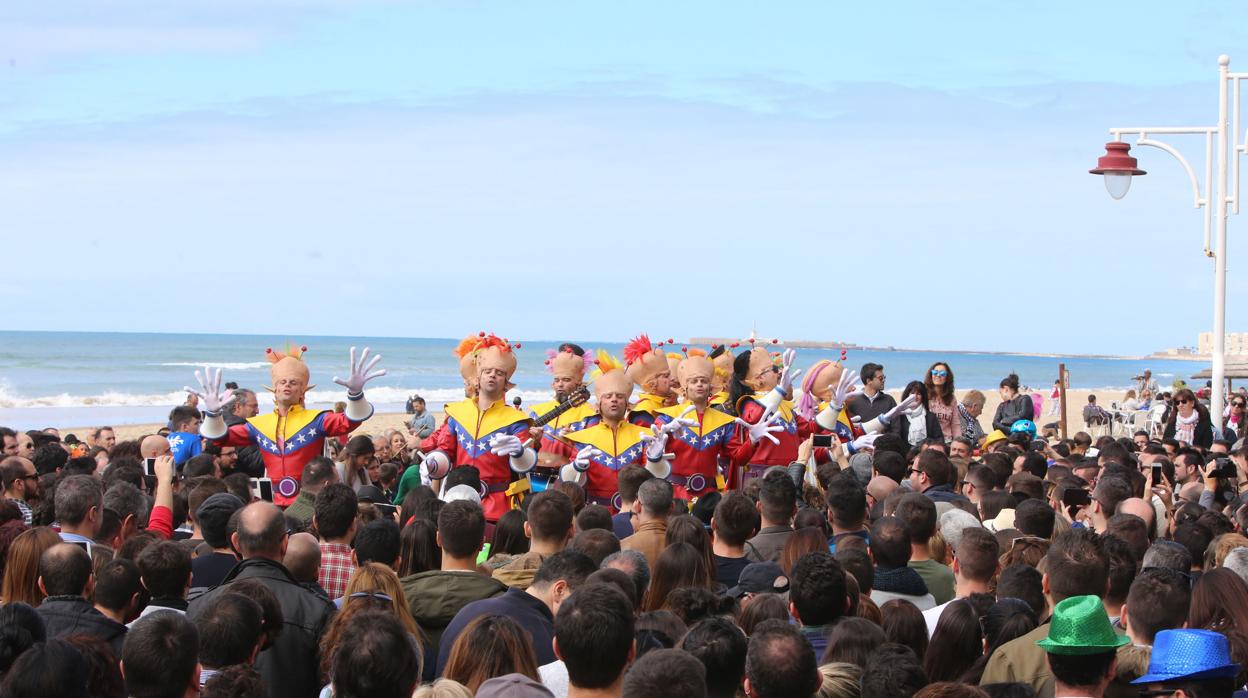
[395,420]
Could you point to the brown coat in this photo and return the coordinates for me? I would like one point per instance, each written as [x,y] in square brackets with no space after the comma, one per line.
[649,539]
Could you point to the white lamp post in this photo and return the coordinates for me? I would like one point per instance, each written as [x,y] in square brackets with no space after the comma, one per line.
[1118,167]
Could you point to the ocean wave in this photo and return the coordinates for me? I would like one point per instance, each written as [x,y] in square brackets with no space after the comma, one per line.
[226,365]
[378,396]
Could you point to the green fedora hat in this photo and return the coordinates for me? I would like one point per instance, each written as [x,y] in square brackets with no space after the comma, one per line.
[1081,626]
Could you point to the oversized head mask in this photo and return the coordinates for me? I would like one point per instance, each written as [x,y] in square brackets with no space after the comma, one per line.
[289,375]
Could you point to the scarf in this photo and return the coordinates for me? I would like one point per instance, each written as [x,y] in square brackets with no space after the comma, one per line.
[918,426]
[899,580]
[1185,427]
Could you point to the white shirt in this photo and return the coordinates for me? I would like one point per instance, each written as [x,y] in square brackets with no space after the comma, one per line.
[555,677]
[932,616]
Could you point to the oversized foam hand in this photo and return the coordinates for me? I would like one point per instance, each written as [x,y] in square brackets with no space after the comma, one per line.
[506,445]
[787,372]
[583,458]
[846,388]
[680,422]
[361,372]
[764,429]
[210,394]
[864,441]
[904,406]
[655,442]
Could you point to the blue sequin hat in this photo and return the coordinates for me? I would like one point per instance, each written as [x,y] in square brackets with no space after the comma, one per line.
[1189,655]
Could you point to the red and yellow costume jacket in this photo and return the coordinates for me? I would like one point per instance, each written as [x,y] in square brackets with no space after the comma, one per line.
[465,438]
[620,447]
[646,410]
[795,431]
[575,419]
[698,449]
[287,443]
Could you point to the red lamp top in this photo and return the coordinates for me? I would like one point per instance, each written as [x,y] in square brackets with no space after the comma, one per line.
[1117,160]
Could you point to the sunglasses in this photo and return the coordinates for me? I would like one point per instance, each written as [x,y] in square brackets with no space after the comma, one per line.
[1182,401]
[372,595]
[939,372]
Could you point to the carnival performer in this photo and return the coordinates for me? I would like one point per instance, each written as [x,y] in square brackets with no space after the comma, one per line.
[567,366]
[485,431]
[290,435]
[758,394]
[699,436]
[612,443]
[722,359]
[648,368]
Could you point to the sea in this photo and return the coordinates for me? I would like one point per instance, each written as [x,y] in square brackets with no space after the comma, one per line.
[80,379]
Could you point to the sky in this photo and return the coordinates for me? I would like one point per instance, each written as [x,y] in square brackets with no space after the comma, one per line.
[890,174]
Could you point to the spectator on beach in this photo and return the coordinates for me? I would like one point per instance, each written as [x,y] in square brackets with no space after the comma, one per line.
[317,474]
[780,663]
[1014,406]
[165,567]
[917,513]
[941,400]
[916,425]
[230,634]
[184,439]
[422,424]
[894,579]
[1093,414]
[67,581]
[334,520]
[209,568]
[629,482]
[80,508]
[975,567]
[777,504]
[1189,421]
[161,658]
[872,401]
[355,459]
[289,667]
[548,528]
[20,481]
[734,521]
[242,406]
[654,507]
[971,407]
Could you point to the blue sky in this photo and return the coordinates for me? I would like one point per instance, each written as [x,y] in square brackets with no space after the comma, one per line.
[890,174]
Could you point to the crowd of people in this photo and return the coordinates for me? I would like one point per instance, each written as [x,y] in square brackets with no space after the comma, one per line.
[741,527]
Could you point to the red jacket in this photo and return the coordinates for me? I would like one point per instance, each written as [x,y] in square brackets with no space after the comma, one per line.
[697,450]
[796,430]
[465,438]
[287,444]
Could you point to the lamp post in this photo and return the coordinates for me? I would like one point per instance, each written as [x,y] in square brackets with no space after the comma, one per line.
[1118,168]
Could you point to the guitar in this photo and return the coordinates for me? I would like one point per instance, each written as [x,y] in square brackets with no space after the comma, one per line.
[546,459]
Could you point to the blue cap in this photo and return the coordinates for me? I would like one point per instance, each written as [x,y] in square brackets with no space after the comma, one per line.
[1189,655]
[1025,425]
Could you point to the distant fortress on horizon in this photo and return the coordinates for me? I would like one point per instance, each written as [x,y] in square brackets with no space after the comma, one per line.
[849,346]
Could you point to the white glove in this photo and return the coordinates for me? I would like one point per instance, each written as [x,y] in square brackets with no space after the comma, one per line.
[569,473]
[210,394]
[583,458]
[905,406]
[506,445]
[764,429]
[655,443]
[787,372]
[863,441]
[680,422]
[361,373]
[845,389]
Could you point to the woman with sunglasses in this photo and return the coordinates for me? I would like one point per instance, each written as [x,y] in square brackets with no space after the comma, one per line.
[1189,421]
[1236,413]
[941,400]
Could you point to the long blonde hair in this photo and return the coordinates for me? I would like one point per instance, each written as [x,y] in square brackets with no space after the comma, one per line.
[371,581]
[21,571]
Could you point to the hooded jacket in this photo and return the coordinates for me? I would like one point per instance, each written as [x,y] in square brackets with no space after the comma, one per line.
[435,596]
[73,615]
[290,667]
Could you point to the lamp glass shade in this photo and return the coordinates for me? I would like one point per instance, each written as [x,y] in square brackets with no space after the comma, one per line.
[1117,183]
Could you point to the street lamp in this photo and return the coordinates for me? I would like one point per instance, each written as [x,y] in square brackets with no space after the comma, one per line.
[1118,167]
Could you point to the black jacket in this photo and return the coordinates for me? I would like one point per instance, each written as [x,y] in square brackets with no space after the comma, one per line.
[1203,436]
[73,615]
[901,427]
[1010,411]
[290,667]
[249,459]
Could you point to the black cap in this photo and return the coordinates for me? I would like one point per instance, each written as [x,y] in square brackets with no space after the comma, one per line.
[760,578]
[214,514]
[369,493]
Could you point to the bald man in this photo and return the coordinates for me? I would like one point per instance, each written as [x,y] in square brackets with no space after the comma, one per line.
[288,667]
[154,446]
[1138,507]
[303,558]
[879,488]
